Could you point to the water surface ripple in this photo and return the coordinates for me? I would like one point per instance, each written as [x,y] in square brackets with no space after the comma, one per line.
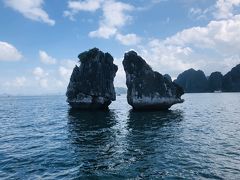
[42,138]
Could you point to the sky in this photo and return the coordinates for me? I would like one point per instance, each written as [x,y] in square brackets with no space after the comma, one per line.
[41,39]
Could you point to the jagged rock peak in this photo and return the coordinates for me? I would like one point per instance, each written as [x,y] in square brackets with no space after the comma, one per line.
[91,83]
[148,89]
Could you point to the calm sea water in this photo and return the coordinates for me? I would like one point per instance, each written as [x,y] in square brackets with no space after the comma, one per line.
[41,138]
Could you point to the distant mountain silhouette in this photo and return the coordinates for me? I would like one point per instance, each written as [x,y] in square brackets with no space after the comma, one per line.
[231,81]
[193,81]
[215,82]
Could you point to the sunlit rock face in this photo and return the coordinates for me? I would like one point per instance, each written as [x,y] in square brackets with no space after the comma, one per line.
[91,83]
[148,89]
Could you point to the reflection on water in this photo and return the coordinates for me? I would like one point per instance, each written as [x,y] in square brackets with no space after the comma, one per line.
[93,138]
[91,120]
[153,119]
[108,146]
[148,139]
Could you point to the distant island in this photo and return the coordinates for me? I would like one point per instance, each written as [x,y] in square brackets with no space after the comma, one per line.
[195,81]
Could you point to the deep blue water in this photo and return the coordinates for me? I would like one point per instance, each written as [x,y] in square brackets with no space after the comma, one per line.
[41,138]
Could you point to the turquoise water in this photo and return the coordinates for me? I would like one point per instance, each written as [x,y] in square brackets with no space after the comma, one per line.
[41,138]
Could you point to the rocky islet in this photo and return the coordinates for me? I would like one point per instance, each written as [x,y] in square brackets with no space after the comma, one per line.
[91,83]
[148,89]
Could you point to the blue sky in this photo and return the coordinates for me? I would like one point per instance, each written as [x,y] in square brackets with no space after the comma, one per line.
[41,39]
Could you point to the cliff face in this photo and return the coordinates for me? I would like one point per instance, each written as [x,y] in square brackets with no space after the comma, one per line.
[215,82]
[193,81]
[148,89]
[91,84]
[231,81]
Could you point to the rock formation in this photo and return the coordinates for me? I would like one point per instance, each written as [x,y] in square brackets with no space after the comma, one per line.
[193,81]
[148,89]
[215,82]
[168,77]
[231,81]
[91,84]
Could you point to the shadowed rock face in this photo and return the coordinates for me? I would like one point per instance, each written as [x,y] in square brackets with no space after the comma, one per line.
[91,84]
[168,77]
[193,81]
[231,81]
[148,89]
[215,81]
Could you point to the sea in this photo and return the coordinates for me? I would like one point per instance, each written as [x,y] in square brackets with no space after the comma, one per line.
[41,137]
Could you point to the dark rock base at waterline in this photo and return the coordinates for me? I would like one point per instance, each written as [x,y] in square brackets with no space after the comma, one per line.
[92,104]
[86,106]
[160,106]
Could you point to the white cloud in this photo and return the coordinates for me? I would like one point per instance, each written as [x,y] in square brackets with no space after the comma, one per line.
[114,17]
[225,8]
[198,13]
[68,63]
[76,6]
[18,82]
[8,52]
[41,76]
[158,1]
[87,5]
[221,36]
[39,73]
[66,68]
[45,58]
[31,9]
[128,39]
[43,83]
[104,32]
[230,61]
[64,72]
[221,9]
[54,78]
[167,58]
